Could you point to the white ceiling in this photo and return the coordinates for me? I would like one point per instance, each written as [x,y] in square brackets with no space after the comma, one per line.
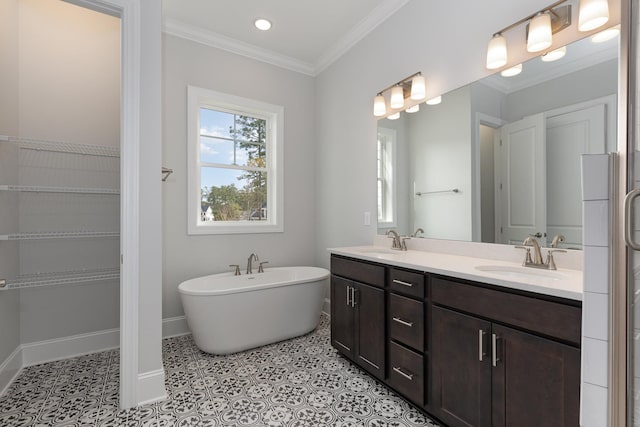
[307,35]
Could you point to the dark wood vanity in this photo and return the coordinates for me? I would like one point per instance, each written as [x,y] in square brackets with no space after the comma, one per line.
[467,353]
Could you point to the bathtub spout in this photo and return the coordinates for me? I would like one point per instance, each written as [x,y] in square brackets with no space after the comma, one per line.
[252,257]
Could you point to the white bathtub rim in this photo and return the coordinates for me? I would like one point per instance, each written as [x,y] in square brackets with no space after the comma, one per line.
[182,287]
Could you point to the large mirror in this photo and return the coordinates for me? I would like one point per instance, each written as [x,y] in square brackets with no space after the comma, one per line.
[500,158]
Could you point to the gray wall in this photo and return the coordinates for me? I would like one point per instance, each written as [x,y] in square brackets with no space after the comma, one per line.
[9,301]
[189,63]
[418,37]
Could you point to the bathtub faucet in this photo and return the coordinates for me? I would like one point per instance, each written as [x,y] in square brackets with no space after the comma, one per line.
[252,257]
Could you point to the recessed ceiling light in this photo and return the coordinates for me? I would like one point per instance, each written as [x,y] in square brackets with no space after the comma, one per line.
[262,24]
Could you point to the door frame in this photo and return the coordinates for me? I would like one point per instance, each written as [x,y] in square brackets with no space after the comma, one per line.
[129,13]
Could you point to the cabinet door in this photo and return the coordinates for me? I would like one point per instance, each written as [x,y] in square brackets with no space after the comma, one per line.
[536,382]
[370,325]
[342,324]
[461,387]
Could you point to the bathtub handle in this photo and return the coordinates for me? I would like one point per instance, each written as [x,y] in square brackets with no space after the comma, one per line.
[237,271]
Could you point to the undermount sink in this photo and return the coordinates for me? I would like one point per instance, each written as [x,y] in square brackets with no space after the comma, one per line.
[520,272]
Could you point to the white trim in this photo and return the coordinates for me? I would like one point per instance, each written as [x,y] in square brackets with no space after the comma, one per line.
[326,307]
[210,38]
[274,114]
[148,384]
[10,369]
[67,347]
[175,326]
[377,16]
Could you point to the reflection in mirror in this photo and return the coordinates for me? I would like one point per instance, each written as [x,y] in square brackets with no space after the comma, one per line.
[511,146]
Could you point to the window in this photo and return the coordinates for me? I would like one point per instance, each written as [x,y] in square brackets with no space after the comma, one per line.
[386,178]
[235,164]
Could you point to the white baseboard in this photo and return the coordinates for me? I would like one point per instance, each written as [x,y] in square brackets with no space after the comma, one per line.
[64,348]
[151,387]
[326,307]
[10,369]
[175,326]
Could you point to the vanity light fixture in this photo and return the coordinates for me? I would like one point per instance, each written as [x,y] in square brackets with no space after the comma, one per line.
[434,101]
[593,14]
[413,109]
[606,35]
[262,24]
[544,23]
[379,106]
[513,71]
[412,87]
[394,116]
[554,55]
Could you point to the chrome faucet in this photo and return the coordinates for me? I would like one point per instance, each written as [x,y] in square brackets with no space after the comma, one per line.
[537,262]
[398,242]
[252,257]
[537,255]
[418,230]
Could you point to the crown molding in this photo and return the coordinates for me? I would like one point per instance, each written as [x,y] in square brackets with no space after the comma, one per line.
[210,38]
[561,69]
[358,32]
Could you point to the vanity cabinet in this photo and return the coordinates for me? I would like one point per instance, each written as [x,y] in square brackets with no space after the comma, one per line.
[358,313]
[503,359]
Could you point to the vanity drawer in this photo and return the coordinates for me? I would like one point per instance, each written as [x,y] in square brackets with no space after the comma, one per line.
[406,373]
[370,274]
[406,321]
[553,319]
[407,282]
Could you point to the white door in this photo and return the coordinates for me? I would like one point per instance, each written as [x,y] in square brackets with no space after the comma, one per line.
[568,137]
[522,180]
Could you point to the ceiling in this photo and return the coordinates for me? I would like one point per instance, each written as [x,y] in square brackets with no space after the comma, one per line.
[307,35]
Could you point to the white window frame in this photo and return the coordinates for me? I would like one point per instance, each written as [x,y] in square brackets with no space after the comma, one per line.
[389,197]
[198,98]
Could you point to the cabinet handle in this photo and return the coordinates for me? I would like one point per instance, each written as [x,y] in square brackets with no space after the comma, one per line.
[348,293]
[494,350]
[481,352]
[403,322]
[404,374]
[400,282]
[353,296]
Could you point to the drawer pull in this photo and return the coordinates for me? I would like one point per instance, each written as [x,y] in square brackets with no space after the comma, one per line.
[400,282]
[494,348]
[404,374]
[481,352]
[403,322]
[348,293]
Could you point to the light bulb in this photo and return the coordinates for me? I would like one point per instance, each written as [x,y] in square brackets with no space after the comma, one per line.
[434,101]
[539,37]
[592,14]
[497,52]
[606,35]
[513,71]
[413,109]
[418,88]
[379,106]
[397,97]
[554,55]
[394,116]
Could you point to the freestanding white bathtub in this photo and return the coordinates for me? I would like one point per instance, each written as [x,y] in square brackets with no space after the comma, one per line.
[228,314]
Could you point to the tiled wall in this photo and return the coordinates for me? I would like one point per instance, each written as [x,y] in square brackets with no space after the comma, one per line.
[595,305]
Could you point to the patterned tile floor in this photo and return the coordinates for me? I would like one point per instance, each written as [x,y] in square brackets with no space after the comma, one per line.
[301,382]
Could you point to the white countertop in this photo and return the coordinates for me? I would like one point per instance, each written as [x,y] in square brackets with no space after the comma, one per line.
[564,282]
